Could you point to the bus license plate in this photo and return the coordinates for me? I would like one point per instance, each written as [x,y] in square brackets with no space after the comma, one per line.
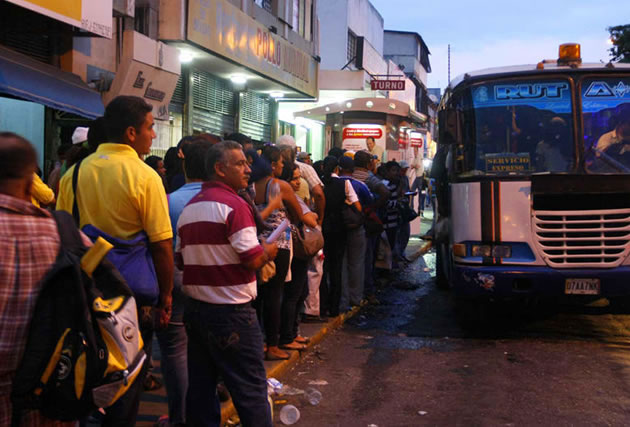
[581,286]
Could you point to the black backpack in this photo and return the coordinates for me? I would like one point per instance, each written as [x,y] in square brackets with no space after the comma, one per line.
[84,347]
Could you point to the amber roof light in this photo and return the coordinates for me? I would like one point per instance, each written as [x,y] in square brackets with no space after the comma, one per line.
[569,53]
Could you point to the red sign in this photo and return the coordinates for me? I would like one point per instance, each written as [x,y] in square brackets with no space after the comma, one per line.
[362,133]
[416,141]
[387,84]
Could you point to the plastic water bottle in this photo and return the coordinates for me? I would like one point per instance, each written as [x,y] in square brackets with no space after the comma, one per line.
[313,396]
[289,414]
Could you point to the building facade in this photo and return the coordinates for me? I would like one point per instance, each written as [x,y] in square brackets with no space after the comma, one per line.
[206,66]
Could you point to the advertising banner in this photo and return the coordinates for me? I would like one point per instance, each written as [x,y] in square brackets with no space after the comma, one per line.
[94,16]
[224,29]
[354,136]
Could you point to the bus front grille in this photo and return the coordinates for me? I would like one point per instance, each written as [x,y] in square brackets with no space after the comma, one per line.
[584,239]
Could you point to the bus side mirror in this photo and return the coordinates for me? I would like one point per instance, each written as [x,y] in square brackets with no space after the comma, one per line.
[447,119]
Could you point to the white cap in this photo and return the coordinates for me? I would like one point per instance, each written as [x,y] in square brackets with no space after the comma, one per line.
[404,164]
[287,140]
[80,135]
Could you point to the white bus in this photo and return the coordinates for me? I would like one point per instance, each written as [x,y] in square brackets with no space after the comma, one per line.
[533,174]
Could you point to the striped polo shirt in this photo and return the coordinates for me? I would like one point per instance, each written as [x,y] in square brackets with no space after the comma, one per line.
[216,235]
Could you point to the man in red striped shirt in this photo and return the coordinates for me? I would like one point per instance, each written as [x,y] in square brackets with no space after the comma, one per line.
[218,250]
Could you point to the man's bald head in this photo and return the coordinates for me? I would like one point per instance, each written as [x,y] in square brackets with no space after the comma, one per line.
[18,162]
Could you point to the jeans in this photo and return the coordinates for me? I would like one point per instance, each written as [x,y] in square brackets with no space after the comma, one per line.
[353,268]
[392,238]
[125,410]
[173,343]
[225,340]
[403,237]
[295,293]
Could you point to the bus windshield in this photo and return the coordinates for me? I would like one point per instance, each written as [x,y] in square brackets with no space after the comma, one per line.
[606,110]
[517,127]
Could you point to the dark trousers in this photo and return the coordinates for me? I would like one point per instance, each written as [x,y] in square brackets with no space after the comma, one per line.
[392,238]
[125,410]
[225,340]
[295,292]
[269,302]
[370,257]
[330,290]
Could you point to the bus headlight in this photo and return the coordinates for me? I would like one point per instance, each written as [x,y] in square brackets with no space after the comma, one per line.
[481,251]
[491,251]
[501,251]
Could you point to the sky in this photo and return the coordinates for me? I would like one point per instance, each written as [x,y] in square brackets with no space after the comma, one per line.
[492,33]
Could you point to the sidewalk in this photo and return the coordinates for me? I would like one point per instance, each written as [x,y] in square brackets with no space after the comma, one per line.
[153,404]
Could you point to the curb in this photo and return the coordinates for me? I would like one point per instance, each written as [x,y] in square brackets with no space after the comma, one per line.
[228,410]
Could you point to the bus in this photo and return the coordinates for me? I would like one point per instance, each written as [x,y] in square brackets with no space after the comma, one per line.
[533,172]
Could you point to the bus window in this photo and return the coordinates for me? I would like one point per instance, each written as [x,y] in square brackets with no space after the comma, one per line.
[518,127]
[606,110]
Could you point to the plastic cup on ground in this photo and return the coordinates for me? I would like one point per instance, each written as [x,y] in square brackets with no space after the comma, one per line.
[289,414]
[313,396]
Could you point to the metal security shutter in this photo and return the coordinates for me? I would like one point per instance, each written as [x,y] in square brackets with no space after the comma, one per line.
[29,33]
[213,104]
[179,97]
[256,116]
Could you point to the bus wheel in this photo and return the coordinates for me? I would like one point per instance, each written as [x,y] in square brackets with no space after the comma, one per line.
[442,265]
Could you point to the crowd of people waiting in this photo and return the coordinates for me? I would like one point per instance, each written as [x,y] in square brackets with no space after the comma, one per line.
[225,294]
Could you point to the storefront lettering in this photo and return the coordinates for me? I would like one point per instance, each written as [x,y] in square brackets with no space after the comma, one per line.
[149,92]
[139,83]
[154,94]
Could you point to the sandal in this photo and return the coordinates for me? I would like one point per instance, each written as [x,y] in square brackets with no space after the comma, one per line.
[302,340]
[293,346]
[274,353]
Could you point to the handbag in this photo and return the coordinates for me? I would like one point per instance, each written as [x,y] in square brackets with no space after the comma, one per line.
[407,213]
[352,217]
[307,241]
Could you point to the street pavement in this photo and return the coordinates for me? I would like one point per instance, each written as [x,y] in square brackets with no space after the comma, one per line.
[421,358]
[154,404]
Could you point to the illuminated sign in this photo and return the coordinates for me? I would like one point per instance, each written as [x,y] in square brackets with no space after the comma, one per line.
[362,133]
[94,16]
[355,136]
[528,91]
[224,29]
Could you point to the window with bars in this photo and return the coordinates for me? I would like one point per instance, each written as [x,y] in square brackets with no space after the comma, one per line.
[352,46]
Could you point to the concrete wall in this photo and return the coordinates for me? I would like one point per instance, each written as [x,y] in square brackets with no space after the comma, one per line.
[333,33]
[364,20]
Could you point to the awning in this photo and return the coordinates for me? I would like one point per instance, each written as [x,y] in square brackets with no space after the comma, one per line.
[26,78]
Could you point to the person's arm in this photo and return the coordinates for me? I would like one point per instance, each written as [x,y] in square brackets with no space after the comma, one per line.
[289,201]
[317,193]
[383,196]
[41,192]
[162,255]
[274,203]
[270,250]
[310,219]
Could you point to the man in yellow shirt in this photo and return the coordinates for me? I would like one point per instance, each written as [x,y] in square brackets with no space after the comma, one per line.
[122,196]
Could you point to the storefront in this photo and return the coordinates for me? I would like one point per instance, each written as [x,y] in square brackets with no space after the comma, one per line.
[234,69]
[36,97]
[395,127]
